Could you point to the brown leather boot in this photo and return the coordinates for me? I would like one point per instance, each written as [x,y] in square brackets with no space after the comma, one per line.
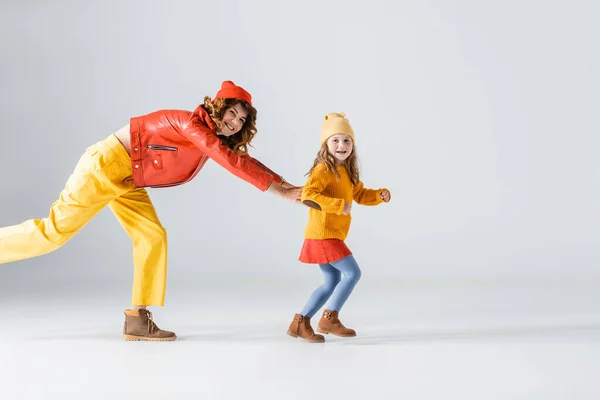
[139,326]
[330,323]
[300,327]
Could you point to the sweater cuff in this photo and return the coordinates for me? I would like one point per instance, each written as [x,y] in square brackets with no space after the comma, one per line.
[340,210]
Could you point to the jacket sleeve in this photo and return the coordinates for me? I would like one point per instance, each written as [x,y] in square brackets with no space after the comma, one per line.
[278,178]
[367,197]
[314,186]
[244,167]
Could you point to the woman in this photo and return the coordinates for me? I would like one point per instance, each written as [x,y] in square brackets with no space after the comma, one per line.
[161,149]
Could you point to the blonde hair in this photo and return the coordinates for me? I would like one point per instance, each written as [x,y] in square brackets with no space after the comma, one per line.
[351,163]
[241,140]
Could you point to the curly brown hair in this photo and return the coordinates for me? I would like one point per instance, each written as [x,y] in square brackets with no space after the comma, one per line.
[351,163]
[241,140]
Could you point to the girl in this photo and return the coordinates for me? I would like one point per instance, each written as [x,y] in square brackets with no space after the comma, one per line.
[332,185]
[162,149]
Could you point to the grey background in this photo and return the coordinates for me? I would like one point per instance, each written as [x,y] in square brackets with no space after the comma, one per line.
[480,117]
[480,278]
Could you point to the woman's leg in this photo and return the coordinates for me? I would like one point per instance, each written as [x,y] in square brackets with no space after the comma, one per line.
[323,292]
[137,215]
[97,179]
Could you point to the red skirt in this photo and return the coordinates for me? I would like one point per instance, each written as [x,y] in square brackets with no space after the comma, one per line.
[323,251]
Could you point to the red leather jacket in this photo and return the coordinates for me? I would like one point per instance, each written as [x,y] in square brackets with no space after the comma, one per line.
[170,147]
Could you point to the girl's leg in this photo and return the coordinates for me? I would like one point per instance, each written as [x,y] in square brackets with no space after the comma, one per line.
[137,215]
[98,178]
[300,325]
[330,322]
[323,292]
[349,267]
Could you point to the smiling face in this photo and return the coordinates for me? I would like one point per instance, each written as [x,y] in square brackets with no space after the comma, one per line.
[340,147]
[233,120]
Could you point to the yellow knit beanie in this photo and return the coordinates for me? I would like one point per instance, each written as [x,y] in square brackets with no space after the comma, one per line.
[335,123]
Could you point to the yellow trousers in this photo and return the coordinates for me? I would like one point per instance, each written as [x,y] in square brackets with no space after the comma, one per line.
[101,178]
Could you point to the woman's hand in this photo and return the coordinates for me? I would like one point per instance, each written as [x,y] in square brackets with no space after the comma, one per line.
[287,191]
[286,185]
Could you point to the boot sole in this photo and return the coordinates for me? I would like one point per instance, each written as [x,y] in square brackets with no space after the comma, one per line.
[132,338]
[334,334]
[295,336]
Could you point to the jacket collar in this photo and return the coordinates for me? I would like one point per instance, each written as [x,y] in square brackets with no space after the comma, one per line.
[205,118]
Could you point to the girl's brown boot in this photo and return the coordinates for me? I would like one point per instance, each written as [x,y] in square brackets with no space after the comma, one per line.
[300,327]
[330,323]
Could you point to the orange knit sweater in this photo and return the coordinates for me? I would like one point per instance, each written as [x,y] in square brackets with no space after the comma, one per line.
[331,193]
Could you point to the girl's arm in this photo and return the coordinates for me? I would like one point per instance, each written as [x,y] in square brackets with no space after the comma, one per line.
[314,186]
[370,197]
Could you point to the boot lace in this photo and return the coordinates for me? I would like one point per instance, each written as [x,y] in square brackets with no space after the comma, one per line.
[151,325]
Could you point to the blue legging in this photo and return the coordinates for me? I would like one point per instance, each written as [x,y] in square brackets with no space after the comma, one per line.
[334,286]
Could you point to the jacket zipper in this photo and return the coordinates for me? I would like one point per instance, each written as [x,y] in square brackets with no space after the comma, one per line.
[167,184]
[161,147]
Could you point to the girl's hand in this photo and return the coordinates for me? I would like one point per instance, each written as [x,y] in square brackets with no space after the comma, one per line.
[385,195]
[347,207]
